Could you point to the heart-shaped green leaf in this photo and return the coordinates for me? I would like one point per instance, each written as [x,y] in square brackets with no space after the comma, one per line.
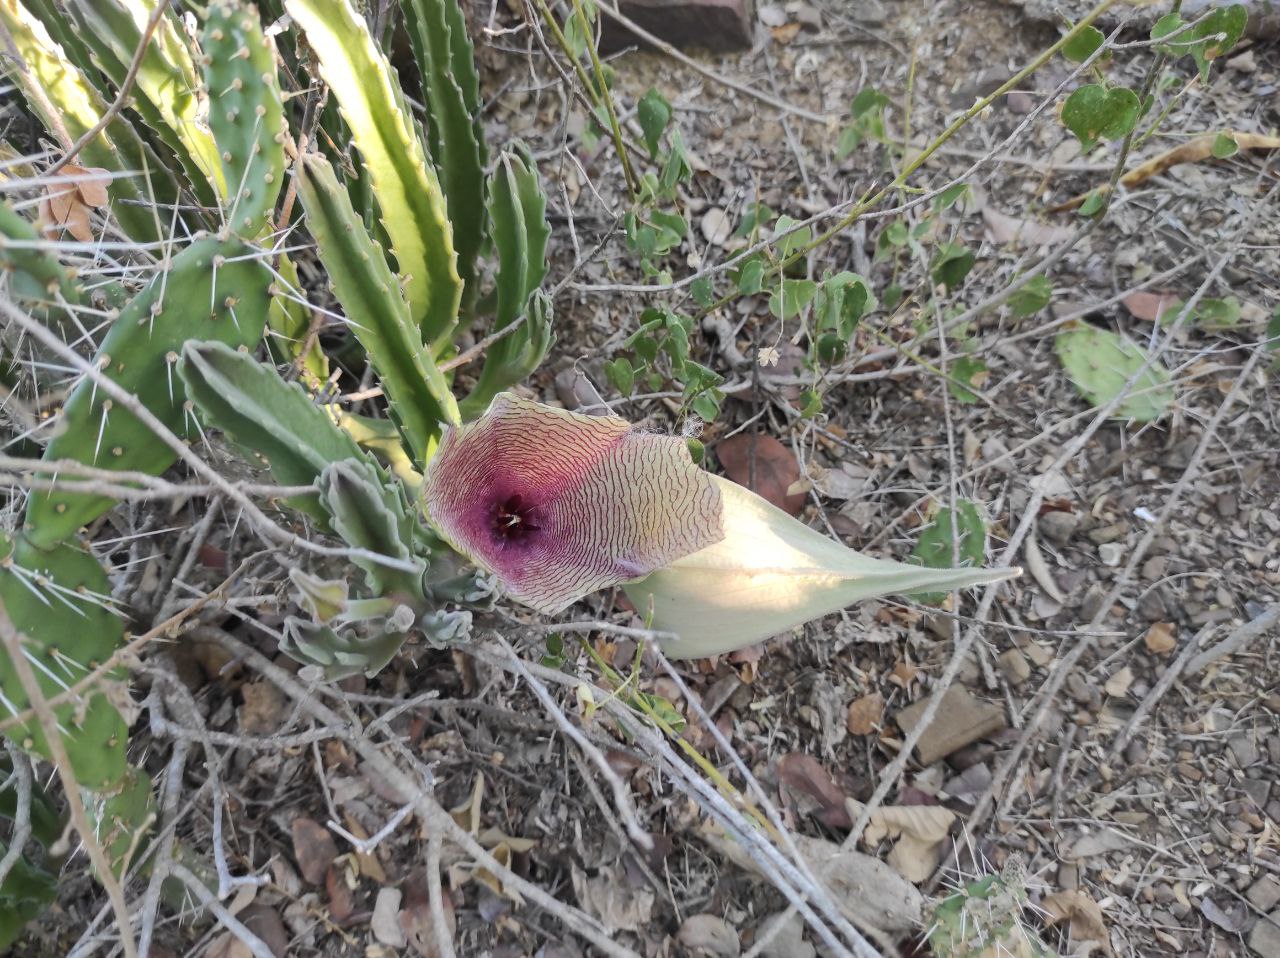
[1095,113]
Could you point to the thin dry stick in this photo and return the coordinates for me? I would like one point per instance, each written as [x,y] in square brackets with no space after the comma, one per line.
[1163,684]
[256,945]
[122,97]
[21,810]
[435,897]
[780,105]
[621,797]
[1255,628]
[164,854]
[434,816]
[75,805]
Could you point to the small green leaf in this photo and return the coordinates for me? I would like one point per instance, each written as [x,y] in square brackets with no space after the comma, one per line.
[791,297]
[1094,202]
[850,140]
[703,291]
[663,710]
[751,278]
[950,196]
[1224,145]
[653,112]
[936,547]
[810,403]
[1211,314]
[620,375]
[1095,113]
[697,451]
[1083,45]
[866,100]
[754,217]
[791,242]
[967,374]
[952,264]
[1032,297]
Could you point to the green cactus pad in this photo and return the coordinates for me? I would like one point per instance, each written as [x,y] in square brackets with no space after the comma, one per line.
[122,818]
[274,422]
[33,275]
[213,290]
[371,512]
[245,115]
[1099,363]
[57,602]
[417,393]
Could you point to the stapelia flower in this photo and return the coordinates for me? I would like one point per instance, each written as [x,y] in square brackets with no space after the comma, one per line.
[769,574]
[557,505]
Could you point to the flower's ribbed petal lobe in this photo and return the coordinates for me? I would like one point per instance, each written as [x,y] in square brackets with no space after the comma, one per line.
[602,503]
[769,574]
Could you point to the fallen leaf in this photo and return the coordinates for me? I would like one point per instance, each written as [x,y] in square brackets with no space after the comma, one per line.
[709,935]
[367,862]
[266,923]
[1009,229]
[715,226]
[1233,921]
[420,931]
[265,708]
[920,831]
[385,923]
[68,199]
[610,898]
[342,903]
[467,815]
[869,892]
[1148,307]
[775,468]
[313,849]
[1081,911]
[785,33]
[903,674]
[1119,683]
[805,774]
[1159,639]
[865,714]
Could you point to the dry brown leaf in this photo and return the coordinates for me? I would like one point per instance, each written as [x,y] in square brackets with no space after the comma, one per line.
[613,900]
[420,931]
[1119,683]
[1148,306]
[903,674]
[785,33]
[265,708]
[920,831]
[806,775]
[266,923]
[1160,639]
[367,862]
[1082,912]
[776,471]
[865,714]
[1009,229]
[467,815]
[313,849]
[710,936]
[870,893]
[342,903]
[1193,151]
[69,199]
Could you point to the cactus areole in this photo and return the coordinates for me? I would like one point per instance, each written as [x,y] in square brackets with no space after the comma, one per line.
[557,505]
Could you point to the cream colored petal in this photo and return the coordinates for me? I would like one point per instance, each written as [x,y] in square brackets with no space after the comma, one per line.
[769,574]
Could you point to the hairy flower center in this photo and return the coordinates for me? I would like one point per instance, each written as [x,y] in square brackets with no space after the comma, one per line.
[513,518]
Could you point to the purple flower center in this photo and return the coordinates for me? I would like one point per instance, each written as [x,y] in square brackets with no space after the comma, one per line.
[514,519]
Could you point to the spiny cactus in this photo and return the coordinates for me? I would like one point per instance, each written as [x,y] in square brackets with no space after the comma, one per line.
[418,396]
[983,919]
[59,603]
[517,209]
[1100,362]
[29,887]
[214,290]
[122,817]
[455,139]
[169,96]
[408,191]
[246,114]
[35,278]
[66,102]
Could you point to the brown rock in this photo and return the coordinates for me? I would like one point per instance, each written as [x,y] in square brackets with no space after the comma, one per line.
[1264,894]
[711,24]
[961,719]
